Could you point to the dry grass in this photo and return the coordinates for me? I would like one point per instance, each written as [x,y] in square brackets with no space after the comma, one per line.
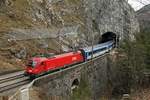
[143,94]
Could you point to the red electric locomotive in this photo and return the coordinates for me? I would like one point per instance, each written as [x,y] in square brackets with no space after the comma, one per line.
[40,65]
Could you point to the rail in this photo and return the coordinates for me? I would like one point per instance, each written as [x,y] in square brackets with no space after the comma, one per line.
[12,81]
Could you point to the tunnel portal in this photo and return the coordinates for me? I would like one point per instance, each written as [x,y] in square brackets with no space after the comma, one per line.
[108,36]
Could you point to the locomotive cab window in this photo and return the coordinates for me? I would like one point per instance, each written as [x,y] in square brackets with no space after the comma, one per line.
[32,64]
[43,64]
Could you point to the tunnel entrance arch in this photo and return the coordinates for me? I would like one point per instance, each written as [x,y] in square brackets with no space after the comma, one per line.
[109,36]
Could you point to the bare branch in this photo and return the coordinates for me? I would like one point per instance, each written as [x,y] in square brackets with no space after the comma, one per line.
[143,3]
[140,2]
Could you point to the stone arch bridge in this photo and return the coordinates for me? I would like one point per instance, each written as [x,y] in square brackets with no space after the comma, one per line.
[60,85]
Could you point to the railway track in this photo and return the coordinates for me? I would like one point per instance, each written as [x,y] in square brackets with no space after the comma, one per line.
[13,81]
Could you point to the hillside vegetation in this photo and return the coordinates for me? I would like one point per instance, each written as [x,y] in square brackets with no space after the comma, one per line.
[133,65]
[133,62]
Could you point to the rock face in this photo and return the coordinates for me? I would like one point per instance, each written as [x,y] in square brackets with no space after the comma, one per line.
[31,26]
[143,16]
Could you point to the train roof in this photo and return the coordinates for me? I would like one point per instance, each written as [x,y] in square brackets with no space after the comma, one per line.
[66,54]
[96,47]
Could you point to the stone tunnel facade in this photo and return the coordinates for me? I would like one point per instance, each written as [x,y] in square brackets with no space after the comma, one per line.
[59,85]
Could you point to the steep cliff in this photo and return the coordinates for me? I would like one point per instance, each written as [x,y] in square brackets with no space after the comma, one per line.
[32,26]
[143,16]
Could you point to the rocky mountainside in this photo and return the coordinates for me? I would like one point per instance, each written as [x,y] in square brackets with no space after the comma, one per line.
[28,27]
[144,17]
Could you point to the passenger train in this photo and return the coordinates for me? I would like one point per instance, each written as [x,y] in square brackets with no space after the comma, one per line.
[41,65]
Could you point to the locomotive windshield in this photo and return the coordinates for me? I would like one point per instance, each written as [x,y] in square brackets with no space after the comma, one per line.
[32,64]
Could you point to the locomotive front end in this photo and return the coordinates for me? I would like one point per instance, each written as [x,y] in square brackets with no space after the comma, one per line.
[31,67]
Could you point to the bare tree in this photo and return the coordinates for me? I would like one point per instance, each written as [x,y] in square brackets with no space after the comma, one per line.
[143,2]
[140,1]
